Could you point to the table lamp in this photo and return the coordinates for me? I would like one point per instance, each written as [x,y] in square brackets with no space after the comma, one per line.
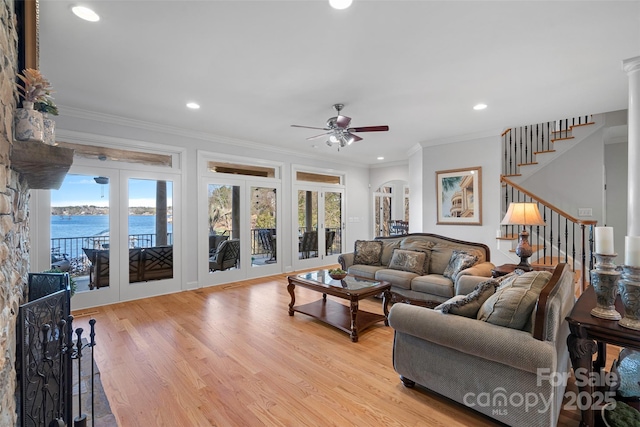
[523,214]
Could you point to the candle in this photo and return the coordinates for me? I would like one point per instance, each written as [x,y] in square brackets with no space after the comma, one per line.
[632,251]
[604,240]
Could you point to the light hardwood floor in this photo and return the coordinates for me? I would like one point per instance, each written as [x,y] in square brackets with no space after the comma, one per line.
[232,356]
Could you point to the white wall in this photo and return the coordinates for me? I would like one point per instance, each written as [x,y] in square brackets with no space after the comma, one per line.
[484,152]
[575,179]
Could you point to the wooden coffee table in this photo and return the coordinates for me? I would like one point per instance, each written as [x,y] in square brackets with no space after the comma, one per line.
[346,318]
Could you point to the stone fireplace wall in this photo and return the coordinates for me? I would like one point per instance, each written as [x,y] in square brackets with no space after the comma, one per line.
[14,225]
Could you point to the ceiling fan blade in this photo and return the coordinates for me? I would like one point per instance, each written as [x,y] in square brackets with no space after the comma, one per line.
[318,136]
[369,129]
[343,121]
[307,127]
[356,138]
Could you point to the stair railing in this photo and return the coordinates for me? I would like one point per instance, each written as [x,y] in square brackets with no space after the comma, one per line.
[520,145]
[558,240]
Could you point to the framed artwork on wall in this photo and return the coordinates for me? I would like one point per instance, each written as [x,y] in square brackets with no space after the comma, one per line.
[459,196]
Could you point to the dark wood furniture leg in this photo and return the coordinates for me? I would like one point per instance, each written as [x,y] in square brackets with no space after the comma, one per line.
[354,314]
[290,288]
[386,298]
[581,350]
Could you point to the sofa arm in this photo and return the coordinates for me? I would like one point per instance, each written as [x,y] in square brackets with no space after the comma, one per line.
[468,278]
[508,346]
[346,260]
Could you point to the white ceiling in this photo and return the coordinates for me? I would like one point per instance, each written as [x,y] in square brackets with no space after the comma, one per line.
[257,67]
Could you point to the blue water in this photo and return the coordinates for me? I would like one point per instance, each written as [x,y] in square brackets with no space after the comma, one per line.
[80,229]
[96,225]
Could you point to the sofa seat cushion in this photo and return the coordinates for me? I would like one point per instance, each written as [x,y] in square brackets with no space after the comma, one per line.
[398,278]
[512,304]
[434,284]
[366,271]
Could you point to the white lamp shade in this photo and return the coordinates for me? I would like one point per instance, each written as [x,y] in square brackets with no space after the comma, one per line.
[523,214]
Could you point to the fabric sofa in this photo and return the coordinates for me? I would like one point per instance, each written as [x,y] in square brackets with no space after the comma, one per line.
[516,376]
[429,283]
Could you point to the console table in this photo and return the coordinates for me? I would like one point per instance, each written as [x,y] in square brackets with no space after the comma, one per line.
[589,335]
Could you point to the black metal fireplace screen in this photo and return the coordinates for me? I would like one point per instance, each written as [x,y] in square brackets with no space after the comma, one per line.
[46,351]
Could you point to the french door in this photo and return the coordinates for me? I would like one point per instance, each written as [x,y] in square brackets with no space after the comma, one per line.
[319,231]
[238,229]
[117,233]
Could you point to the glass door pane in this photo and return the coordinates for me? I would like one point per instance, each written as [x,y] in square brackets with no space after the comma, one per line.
[382,213]
[263,226]
[150,237]
[223,210]
[307,224]
[80,230]
[333,222]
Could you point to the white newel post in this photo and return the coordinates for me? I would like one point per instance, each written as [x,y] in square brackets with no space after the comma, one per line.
[632,67]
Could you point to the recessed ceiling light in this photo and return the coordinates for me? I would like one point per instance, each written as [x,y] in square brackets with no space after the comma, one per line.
[193,105]
[85,13]
[340,4]
[480,106]
[380,158]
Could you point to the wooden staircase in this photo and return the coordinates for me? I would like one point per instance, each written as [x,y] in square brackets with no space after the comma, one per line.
[564,238]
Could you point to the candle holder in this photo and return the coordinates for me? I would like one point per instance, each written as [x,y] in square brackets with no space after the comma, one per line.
[604,279]
[629,288]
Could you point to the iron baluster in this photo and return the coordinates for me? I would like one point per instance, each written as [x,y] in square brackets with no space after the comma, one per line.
[81,419]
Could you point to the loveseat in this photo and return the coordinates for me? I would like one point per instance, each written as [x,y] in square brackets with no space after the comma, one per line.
[508,361]
[154,263]
[421,277]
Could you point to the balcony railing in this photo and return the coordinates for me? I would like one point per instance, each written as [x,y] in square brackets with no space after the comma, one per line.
[71,248]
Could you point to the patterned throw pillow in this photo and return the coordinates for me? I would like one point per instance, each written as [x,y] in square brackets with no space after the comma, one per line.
[367,252]
[411,261]
[514,301]
[468,305]
[459,261]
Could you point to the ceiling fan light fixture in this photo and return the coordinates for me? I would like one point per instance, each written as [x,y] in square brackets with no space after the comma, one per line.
[85,13]
[333,139]
[340,4]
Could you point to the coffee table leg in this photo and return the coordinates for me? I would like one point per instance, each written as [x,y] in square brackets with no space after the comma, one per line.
[354,313]
[386,298]
[581,349]
[290,288]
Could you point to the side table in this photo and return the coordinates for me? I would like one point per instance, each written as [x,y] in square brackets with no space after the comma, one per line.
[503,270]
[589,335]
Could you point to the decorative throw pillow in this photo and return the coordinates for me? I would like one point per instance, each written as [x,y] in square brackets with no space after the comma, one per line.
[411,261]
[469,305]
[459,261]
[367,252]
[513,302]
[418,244]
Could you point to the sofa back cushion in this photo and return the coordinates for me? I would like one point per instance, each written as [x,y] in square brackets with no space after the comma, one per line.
[387,250]
[512,304]
[367,252]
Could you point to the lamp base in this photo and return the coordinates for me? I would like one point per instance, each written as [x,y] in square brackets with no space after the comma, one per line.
[524,251]
[524,265]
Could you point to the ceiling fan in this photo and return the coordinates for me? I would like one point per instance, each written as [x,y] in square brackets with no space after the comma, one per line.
[339,131]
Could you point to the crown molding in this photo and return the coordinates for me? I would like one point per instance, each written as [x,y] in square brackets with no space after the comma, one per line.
[631,65]
[492,133]
[172,130]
